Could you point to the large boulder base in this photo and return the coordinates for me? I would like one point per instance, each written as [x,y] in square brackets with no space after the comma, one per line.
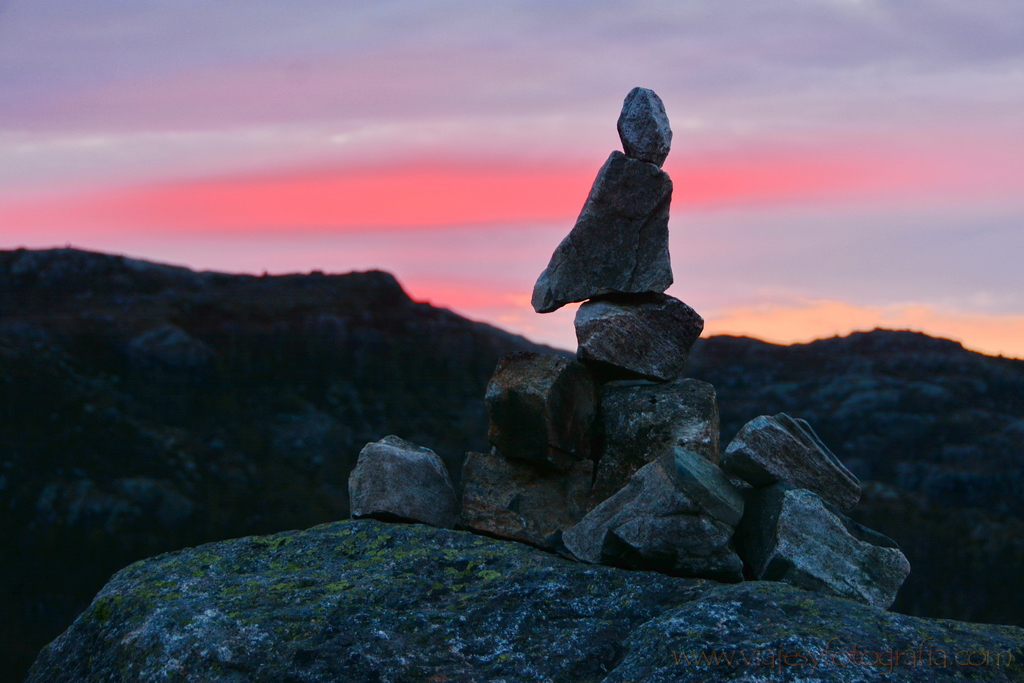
[640,335]
[395,479]
[364,601]
[523,502]
[676,515]
[643,127]
[769,449]
[541,409]
[619,242]
[791,535]
[644,421]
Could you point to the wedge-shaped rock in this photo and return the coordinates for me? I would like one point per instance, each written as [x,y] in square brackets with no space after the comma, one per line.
[792,535]
[541,409]
[646,335]
[619,242]
[394,479]
[644,421]
[522,502]
[767,450]
[643,127]
[676,515]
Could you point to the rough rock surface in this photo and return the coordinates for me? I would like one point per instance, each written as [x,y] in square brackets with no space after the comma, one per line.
[366,601]
[676,515]
[791,535]
[649,337]
[619,242]
[643,127]
[522,502]
[780,448]
[397,479]
[541,409]
[644,421]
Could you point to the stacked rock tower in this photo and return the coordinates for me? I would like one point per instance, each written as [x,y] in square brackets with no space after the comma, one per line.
[614,457]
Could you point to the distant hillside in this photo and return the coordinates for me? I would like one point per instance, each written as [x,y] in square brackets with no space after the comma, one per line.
[937,430]
[144,408]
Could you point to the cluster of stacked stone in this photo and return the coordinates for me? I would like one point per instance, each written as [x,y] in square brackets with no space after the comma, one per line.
[614,458]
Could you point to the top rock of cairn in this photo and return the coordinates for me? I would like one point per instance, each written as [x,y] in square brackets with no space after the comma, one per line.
[643,127]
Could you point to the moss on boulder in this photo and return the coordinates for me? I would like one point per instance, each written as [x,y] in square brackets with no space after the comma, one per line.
[370,601]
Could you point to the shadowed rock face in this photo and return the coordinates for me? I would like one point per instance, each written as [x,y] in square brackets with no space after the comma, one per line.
[521,501]
[541,409]
[366,601]
[790,535]
[396,479]
[619,242]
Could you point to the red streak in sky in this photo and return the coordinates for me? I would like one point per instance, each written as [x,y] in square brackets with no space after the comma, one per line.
[420,196]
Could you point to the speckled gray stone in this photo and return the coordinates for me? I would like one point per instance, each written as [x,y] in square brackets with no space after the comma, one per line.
[791,535]
[643,127]
[648,337]
[643,421]
[397,479]
[768,449]
[619,242]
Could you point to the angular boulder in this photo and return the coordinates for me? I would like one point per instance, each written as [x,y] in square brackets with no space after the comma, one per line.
[395,479]
[676,515]
[522,502]
[649,336]
[792,535]
[367,601]
[643,127]
[644,421]
[767,450]
[619,242]
[541,409]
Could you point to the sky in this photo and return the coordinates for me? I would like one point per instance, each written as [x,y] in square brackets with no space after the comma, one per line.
[838,165]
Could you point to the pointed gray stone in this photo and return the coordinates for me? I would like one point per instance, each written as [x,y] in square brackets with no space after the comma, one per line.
[541,409]
[395,479]
[619,242]
[668,518]
[643,127]
[767,450]
[523,502]
[649,336]
[643,421]
[792,535]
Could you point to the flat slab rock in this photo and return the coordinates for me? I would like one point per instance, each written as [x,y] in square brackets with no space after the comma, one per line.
[644,421]
[522,502]
[769,449]
[619,242]
[642,335]
[397,479]
[366,601]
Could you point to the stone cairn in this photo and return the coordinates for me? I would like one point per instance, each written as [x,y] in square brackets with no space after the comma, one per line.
[614,458]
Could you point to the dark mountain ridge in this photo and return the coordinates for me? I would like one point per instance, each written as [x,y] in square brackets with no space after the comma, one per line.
[145,408]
